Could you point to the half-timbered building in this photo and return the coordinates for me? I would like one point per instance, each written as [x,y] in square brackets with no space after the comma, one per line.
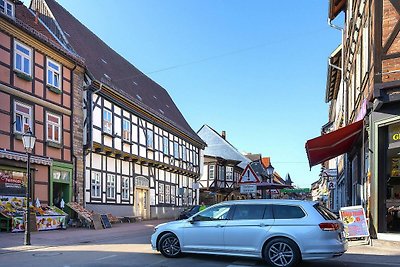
[223,165]
[141,156]
[364,85]
[39,82]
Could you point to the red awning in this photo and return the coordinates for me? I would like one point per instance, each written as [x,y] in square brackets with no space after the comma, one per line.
[333,144]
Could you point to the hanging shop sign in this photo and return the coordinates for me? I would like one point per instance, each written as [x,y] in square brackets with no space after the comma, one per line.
[394,133]
[12,183]
[355,222]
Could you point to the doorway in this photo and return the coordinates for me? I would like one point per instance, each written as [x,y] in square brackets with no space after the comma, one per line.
[142,203]
[60,192]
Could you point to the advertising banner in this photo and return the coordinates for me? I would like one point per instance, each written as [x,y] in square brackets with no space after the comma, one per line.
[355,222]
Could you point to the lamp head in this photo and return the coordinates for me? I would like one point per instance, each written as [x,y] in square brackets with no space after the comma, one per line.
[28,139]
[270,169]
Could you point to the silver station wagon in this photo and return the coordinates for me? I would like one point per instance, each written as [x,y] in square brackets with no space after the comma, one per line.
[282,232]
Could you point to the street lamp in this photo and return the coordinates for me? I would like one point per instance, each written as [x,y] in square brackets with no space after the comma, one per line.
[270,173]
[28,139]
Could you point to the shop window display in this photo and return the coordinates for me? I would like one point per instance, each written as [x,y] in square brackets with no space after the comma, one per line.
[47,217]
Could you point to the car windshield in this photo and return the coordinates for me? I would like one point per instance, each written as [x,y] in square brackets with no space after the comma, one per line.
[325,212]
[215,213]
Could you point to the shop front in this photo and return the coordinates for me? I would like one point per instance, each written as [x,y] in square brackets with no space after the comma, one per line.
[13,182]
[385,183]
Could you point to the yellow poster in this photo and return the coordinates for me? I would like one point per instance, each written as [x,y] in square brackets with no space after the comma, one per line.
[395,167]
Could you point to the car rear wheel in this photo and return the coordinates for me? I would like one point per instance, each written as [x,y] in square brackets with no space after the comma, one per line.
[169,246]
[281,252]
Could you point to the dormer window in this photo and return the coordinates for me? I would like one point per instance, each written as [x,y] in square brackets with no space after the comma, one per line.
[7,7]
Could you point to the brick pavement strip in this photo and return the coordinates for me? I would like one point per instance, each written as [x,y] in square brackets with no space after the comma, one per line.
[12,242]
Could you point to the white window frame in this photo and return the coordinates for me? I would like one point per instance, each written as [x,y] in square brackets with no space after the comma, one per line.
[24,117]
[229,173]
[125,188]
[160,193]
[211,170]
[167,194]
[95,185]
[126,132]
[150,139]
[107,124]
[173,193]
[165,145]
[53,73]
[111,186]
[23,56]
[4,8]
[184,153]
[176,150]
[53,126]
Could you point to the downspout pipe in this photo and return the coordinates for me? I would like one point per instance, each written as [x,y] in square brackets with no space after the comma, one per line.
[345,109]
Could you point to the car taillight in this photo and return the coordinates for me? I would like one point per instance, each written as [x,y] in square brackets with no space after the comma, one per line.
[329,226]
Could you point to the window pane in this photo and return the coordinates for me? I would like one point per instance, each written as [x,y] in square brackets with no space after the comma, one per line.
[53,118]
[287,212]
[216,213]
[49,132]
[26,66]
[249,212]
[54,66]
[18,62]
[18,123]
[21,108]
[56,80]
[23,50]
[50,77]
[56,134]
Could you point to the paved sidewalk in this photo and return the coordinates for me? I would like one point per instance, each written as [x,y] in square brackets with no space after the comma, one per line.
[13,242]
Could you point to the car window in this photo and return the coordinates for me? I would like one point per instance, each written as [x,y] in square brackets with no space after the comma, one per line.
[268,214]
[287,212]
[248,212]
[215,213]
[194,209]
[325,213]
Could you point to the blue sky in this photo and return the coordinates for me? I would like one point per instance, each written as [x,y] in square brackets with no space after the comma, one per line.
[253,68]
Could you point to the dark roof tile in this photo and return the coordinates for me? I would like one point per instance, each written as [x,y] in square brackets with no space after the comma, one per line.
[101,60]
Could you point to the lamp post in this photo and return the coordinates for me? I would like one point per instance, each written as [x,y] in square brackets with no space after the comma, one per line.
[270,173]
[28,139]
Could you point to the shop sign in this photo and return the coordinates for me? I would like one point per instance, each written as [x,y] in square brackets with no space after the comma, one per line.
[394,133]
[62,176]
[12,182]
[355,223]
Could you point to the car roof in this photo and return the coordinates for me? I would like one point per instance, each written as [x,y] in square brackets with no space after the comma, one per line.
[268,201]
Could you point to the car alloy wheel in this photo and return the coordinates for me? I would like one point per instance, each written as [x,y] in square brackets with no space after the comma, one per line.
[169,246]
[282,252]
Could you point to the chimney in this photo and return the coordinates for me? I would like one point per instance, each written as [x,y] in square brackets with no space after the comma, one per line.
[223,134]
[36,17]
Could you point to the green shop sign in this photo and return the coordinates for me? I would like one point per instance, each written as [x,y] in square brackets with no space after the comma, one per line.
[296,190]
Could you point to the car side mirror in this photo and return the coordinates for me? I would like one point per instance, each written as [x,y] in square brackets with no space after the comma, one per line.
[194,219]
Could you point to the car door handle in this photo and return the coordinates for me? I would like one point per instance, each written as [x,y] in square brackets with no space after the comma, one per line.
[219,226]
[263,224]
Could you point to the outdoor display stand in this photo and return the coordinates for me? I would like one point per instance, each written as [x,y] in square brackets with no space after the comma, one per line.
[355,222]
[83,214]
[47,217]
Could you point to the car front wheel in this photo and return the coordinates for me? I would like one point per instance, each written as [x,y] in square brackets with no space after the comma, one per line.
[281,252]
[169,246]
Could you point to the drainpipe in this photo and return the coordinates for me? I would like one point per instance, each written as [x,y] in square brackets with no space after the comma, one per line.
[345,109]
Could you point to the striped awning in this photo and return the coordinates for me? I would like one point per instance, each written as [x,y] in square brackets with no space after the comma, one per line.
[5,154]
